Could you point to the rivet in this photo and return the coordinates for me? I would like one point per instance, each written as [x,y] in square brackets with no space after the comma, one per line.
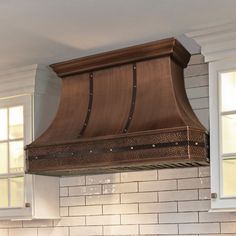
[130,118]
[134,67]
[85,124]
[91,76]
[125,130]
[36,158]
[72,153]
[153,145]
[176,143]
[131,148]
[196,143]
[90,151]
[110,149]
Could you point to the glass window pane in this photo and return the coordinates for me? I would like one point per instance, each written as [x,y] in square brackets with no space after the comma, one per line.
[17,192]
[4,193]
[16,156]
[228,134]
[16,118]
[3,158]
[229,177]
[228,88]
[3,124]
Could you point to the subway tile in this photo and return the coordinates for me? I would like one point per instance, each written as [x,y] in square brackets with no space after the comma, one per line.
[103,199]
[157,185]
[217,216]
[196,59]
[178,217]
[56,231]
[158,207]
[139,176]
[64,211]
[159,229]
[203,228]
[194,183]
[86,230]
[198,92]
[72,181]
[85,210]
[194,70]
[103,220]
[85,190]
[196,81]
[10,224]
[202,205]
[139,219]
[37,223]
[204,194]
[103,179]
[23,232]
[121,230]
[64,192]
[138,197]
[199,103]
[3,232]
[204,171]
[178,195]
[203,116]
[178,173]
[229,228]
[120,209]
[120,188]
[72,201]
[70,221]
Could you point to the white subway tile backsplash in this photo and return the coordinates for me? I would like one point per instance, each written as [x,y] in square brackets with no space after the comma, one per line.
[70,221]
[194,183]
[157,185]
[86,230]
[85,210]
[204,171]
[139,219]
[120,188]
[72,201]
[204,194]
[23,232]
[180,195]
[64,211]
[103,199]
[196,81]
[196,70]
[3,232]
[120,209]
[178,173]
[139,176]
[158,207]
[37,223]
[159,229]
[178,217]
[217,216]
[202,205]
[228,228]
[138,197]
[196,59]
[56,231]
[121,230]
[85,190]
[72,181]
[64,192]
[203,228]
[103,220]
[103,179]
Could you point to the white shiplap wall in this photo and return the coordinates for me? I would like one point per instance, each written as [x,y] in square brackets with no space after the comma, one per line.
[157,202]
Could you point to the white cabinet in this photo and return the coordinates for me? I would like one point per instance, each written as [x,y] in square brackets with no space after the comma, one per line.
[28,102]
[222,85]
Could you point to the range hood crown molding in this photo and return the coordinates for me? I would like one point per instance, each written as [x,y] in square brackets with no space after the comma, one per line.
[122,110]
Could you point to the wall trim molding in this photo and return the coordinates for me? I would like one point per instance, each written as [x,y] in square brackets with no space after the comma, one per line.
[217,42]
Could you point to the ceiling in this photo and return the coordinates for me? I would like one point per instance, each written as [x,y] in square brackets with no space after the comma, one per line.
[49,31]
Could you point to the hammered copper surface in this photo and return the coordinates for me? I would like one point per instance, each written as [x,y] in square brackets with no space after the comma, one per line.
[122,110]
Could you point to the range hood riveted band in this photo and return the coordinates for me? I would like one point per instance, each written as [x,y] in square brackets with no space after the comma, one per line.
[123,110]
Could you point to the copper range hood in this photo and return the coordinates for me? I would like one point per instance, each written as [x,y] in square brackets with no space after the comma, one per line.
[122,110]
